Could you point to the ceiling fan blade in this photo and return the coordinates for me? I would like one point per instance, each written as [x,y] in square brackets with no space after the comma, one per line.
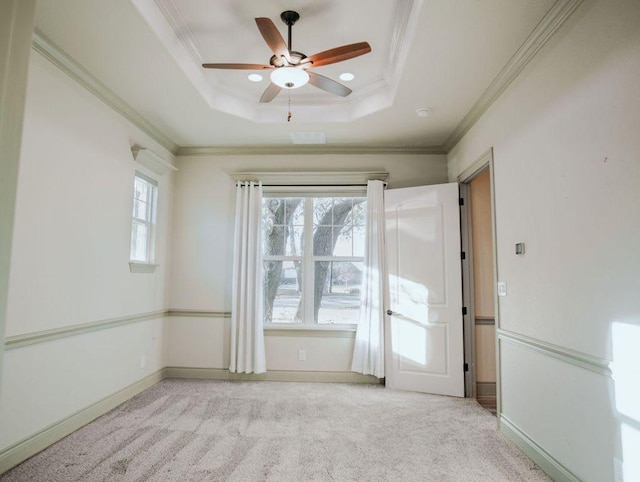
[270,93]
[273,38]
[339,54]
[325,83]
[238,66]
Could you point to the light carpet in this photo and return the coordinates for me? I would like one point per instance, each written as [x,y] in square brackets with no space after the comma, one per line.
[201,430]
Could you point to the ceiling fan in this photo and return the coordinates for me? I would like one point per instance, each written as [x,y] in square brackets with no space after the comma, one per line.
[290,69]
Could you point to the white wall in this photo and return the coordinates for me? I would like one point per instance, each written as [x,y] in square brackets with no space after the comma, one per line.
[567,171]
[16,26]
[202,255]
[70,256]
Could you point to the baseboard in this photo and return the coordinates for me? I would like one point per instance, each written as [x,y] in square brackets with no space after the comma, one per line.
[553,468]
[39,441]
[486,394]
[271,375]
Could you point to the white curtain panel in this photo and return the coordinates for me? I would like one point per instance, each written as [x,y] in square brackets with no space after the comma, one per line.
[368,354]
[247,337]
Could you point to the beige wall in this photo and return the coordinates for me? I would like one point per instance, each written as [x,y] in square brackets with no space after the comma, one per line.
[481,228]
[16,25]
[565,142]
[69,264]
[202,255]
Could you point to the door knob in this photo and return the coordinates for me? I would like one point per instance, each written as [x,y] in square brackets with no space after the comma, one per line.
[389,312]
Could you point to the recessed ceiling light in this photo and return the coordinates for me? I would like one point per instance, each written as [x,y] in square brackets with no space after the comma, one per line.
[347,76]
[255,77]
[423,112]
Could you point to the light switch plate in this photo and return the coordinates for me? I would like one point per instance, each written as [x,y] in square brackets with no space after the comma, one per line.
[502,288]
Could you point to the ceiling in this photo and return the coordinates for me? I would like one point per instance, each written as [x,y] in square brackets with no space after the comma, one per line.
[446,56]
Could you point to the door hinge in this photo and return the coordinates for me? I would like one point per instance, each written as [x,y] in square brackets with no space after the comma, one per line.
[466,367]
[463,255]
[461,201]
[464,310]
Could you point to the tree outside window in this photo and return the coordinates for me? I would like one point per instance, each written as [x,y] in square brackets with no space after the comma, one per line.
[313,258]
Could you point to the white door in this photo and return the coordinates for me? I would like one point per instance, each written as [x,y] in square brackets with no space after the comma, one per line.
[424,337]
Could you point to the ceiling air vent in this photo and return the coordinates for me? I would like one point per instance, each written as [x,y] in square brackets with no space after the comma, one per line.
[308,137]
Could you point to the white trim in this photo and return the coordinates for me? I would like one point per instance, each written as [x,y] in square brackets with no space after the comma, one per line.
[138,267]
[318,178]
[45,47]
[151,160]
[556,470]
[297,150]
[579,359]
[16,453]
[477,167]
[557,15]
[272,375]
[198,313]
[43,336]
[314,331]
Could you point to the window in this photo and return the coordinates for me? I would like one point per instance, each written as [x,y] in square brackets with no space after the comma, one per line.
[313,254]
[144,219]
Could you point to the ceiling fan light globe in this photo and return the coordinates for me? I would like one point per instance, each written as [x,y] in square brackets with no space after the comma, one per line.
[289,77]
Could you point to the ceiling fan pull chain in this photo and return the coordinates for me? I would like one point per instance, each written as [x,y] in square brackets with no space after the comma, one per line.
[289,115]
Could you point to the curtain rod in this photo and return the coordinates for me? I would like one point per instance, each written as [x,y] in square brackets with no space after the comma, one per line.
[333,186]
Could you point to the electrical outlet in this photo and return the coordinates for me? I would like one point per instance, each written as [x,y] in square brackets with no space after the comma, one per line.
[302,355]
[143,361]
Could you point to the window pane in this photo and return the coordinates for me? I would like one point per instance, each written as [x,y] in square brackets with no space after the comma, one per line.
[339,299]
[273,241]
[283,226]
[322,241]
[282,292]
[139,241]
[341,210]
[322,210]
[358,212]
[342,237]
[359,240]
[141,188]
[140,209]
[295,241]
[294,211]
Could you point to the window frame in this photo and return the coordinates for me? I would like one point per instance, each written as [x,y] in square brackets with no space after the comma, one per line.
[147,265]
[308,258]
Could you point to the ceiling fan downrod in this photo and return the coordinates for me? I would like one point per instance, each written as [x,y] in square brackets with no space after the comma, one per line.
[290,17]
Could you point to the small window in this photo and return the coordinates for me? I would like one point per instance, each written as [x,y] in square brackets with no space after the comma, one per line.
[145,193]
[313,254]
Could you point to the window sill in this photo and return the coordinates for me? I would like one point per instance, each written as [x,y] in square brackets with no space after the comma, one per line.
[293,329]
[137,267]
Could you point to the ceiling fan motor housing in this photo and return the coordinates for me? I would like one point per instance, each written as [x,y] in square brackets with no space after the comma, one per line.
[290,17]
[296,58]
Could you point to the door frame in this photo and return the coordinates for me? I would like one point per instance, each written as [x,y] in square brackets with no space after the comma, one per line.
[465,177]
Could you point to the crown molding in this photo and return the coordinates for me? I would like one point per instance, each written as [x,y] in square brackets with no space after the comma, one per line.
[45,47]
[289,149]
[64,62]
[557,15]
[171,27]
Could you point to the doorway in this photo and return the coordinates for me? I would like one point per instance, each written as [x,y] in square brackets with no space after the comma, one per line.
[477,228]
